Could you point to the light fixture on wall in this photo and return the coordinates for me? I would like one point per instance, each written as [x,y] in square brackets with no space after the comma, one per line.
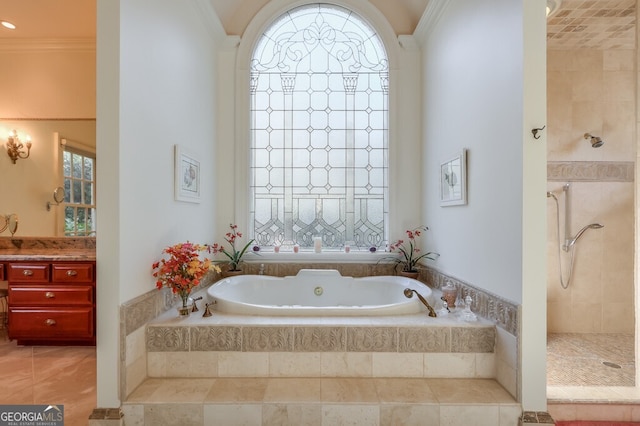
[15,146]
[553,6]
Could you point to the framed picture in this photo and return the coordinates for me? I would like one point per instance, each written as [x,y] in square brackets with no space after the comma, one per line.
[453,180]
[186,176]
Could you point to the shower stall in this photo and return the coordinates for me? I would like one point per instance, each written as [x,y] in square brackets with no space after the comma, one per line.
[592,137]
[591,152]
[590,289]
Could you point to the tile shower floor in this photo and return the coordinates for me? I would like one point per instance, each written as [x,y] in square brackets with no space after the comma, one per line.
[590,359]
[580,386]
[60,375]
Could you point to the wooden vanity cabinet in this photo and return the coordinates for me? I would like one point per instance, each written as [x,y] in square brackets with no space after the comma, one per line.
[52,302]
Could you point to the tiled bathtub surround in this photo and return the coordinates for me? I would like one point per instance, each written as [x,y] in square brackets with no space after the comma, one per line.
[345,338]
[320,351]
[485,304]
[307,339]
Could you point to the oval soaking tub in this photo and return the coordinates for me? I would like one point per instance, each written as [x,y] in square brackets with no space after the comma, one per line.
[319,292]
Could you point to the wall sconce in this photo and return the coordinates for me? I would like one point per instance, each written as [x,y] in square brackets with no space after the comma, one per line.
[15,146]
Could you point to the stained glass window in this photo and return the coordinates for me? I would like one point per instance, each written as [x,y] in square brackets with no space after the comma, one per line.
[319,131]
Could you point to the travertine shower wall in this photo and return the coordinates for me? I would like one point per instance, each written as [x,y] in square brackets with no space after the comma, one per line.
[592,91]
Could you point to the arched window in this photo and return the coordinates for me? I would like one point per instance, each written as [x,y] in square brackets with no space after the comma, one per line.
[319,130]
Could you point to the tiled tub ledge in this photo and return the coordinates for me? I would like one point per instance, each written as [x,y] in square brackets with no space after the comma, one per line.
[400,346]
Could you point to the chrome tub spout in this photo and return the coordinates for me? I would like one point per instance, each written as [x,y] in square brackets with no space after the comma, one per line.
[409,294]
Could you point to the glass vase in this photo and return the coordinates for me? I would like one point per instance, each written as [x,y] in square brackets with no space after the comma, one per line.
[183,308]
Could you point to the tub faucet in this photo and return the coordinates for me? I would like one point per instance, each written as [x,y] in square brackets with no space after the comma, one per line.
[195,307]
[409,294]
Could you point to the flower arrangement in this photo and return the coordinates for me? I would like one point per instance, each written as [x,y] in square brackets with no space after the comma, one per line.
[183,270]
[232,253]
[410,254]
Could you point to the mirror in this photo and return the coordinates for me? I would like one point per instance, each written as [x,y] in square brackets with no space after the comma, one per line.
[12,221]
[4,225]
[31,195]
[58,197]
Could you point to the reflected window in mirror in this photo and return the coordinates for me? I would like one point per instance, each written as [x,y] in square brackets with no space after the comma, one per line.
[79,173]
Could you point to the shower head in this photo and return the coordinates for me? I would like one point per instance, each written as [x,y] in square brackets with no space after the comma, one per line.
[596,142]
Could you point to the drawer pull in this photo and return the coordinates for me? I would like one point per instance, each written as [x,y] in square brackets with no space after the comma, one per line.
[49,295]
[27,272]
[72,273]
[50,322]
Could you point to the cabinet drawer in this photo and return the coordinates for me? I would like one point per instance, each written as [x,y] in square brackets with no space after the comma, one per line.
[50,295]
[28,272]
[71,323]
[72,272]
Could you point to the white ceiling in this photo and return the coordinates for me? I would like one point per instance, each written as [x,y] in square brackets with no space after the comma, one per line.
[578,23]
[49,18]
[77,18]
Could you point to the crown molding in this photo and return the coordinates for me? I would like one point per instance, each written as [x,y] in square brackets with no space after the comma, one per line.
[211,20]
[430,18]
[48,44]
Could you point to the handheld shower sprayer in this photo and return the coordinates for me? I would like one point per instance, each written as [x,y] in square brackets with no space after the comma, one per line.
[569,245]
[579,234]
[596,142]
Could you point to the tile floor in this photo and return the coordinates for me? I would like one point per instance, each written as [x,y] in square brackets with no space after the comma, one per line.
[67,375]
[579,359]
[59,375]
[321,401]
[581,387]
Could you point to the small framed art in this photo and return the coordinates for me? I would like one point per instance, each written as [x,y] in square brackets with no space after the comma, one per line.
[186,176]
[453,180]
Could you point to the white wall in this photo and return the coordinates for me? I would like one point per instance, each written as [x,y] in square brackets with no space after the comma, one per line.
[473,94]
[167,97]
[45,79]
[156,88]
[484,90]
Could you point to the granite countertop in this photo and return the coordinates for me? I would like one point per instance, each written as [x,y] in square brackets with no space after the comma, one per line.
[47,249]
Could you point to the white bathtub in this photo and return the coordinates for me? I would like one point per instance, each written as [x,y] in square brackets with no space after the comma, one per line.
[319,292]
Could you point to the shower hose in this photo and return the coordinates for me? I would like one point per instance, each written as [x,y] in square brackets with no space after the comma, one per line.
[571,248]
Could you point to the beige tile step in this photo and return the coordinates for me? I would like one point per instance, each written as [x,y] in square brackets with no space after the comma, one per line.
[321,401]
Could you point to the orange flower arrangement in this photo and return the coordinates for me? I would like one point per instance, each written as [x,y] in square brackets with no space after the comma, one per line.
[183,270]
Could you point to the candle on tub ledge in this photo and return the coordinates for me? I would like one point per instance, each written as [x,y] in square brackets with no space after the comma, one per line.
[317,244]
[276,249]
[296,248]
